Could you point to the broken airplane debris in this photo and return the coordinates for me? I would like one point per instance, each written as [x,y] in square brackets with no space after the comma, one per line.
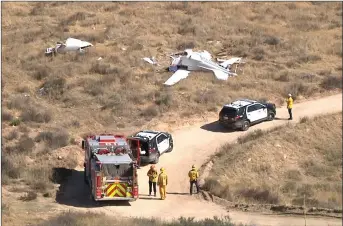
[71,44]
[199,61]
[151,60]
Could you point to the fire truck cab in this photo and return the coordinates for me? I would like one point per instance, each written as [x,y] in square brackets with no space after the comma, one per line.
[110,169]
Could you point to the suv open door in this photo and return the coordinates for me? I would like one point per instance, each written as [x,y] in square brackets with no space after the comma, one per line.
[134,145]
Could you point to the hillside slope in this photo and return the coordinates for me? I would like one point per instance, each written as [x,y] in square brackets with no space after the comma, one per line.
[283,166]
[289,47]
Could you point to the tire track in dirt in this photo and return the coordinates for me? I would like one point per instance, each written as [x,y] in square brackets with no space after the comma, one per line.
[194,145]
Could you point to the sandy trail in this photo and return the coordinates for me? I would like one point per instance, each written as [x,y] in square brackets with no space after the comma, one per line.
[194,145]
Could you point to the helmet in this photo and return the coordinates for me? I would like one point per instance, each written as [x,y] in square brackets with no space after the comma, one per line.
[162,169]
[289,95]
[193,166]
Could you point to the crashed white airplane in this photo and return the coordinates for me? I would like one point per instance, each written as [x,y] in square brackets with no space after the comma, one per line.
[200,61]
[71,44]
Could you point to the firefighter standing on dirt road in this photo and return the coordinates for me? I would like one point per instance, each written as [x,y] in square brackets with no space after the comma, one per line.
[290,106]
[162,183]
[193,175]
[152,174]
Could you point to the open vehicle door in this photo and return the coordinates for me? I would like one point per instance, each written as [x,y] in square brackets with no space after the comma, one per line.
[134,145]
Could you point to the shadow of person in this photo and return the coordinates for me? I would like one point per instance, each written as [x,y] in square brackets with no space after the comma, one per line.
[276,118]
[177,193]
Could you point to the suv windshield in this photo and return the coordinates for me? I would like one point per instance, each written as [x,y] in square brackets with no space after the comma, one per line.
[230,112]
[111,170]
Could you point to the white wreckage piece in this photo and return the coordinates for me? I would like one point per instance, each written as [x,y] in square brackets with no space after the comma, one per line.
[199,61]
[151,60]
[71,44]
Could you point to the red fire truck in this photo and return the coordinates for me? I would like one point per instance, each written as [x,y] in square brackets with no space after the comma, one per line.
[110,167]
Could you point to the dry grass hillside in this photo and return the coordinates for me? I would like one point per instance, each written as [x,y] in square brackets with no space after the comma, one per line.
[90,219]
[281,166]
[289,47]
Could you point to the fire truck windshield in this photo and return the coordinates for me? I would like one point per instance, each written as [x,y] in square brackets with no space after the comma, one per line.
[111,170]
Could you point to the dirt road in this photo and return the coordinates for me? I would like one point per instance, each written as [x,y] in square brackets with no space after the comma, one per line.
[194,145]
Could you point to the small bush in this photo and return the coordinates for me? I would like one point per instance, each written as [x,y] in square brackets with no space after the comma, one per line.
[23,129]
[103,69]
[284,77]
[293,175]
[8,168]
[315,169]
[114,101]
[55,87]
[36,114]
[6,116]
[207,97]
[186,45]
[305,58]
[26,144]
[165,99]
[15,122]
[54,139]
[39,178]
[331,82]
[250,136]
[41,72]
[150,112]
[289,186]
[213,186]
[22,89]
[75,123]
[17,102]
[95,89]
[296,89]
[187,27]
[272,40]
[258,53]
[12,135]
[261,195]
[29,196]
[79,16]
[304,119]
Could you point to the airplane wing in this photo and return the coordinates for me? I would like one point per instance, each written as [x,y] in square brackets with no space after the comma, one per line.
[177,76]
[234,60]
[220,74]
[77,43]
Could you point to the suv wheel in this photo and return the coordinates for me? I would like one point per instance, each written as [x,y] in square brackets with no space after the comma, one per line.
[245,125]
[170,148]
[271,116]
[157,158]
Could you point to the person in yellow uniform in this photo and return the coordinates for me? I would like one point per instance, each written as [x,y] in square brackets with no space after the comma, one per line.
[152,174]
[162,182]
[290,106]
[193,175]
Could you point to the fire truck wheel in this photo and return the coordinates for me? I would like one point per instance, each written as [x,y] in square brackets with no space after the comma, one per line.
[157,158]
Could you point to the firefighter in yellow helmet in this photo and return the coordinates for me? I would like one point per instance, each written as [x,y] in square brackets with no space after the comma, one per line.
[290,106]
[152,174]
[162,182]
[193,175]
